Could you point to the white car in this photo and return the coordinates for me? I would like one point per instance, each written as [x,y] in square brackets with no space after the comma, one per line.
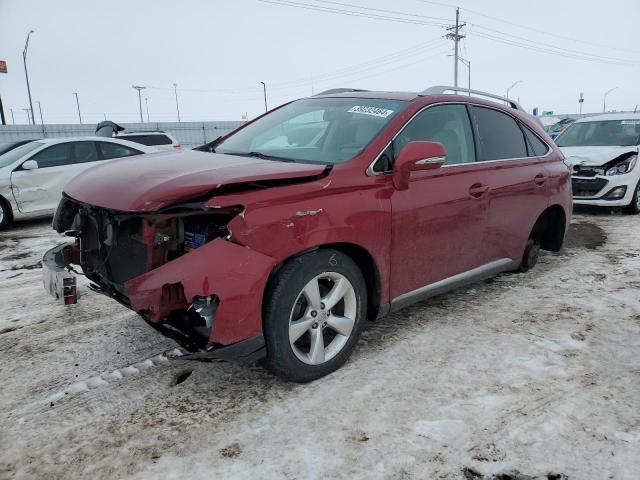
[603,151]
[151,138]
[33,175]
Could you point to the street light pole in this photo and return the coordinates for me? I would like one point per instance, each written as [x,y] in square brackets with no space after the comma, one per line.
[29,116]
[175,91]
[13,119]
[514,84]
[146,104]
[44,133]
[26,74]
[78,104]
[604,101]
[139,99]
[264,90]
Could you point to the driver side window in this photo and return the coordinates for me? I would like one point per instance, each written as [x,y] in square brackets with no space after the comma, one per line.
[446,124]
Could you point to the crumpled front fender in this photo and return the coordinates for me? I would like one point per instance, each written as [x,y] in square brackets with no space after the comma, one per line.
[237,275]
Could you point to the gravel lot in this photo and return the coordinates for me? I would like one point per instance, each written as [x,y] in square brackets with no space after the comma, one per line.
[524,376]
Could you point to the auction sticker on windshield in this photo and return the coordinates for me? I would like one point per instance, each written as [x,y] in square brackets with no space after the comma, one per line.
[375,111]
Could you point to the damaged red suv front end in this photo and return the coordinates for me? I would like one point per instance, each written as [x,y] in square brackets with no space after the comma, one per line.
[170,256]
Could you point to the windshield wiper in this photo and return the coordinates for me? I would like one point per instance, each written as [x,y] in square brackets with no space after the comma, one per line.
[261,155]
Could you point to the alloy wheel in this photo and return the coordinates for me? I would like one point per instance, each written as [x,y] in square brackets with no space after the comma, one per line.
[322,318]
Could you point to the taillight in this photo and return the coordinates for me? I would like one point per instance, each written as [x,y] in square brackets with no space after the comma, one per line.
[177,145]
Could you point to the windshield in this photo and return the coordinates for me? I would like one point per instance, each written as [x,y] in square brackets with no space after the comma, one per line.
[11,156]
[606,133]
[318,130]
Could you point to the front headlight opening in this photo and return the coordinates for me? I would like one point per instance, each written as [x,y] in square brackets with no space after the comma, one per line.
[623,167]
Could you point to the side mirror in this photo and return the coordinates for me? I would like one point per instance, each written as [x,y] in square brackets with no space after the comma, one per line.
[30,165]
[416,156]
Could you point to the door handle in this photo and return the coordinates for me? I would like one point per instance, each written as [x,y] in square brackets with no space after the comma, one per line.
[477,190]
[540,179]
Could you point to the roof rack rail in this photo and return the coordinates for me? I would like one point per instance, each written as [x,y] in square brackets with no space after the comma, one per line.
[441,89]
[340,90]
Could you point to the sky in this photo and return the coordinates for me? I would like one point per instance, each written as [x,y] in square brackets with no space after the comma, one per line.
[218,52]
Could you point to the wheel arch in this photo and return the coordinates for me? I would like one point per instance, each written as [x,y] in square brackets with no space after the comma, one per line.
[550,228]
[363,259]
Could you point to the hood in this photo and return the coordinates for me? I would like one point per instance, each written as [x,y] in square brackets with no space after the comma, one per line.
[147,183]
[594,156]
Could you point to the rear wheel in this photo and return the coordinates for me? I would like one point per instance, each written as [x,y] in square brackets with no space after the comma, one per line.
[314,313]
[531,255]
[5,213]
[634,207]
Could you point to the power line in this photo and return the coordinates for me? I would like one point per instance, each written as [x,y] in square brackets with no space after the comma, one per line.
[548,45]
[340,73]
[553,50]
[527,27]
[352,13]
[396,12]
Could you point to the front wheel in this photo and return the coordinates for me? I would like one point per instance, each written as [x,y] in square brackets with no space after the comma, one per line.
[5,213]
[634,207]
[314,312]
[530,255]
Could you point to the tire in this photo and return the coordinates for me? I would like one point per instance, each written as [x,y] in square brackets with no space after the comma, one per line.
[296,319]
[530,255]
[5,213]
[634,207]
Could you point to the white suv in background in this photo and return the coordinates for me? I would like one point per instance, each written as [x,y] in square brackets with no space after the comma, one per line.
[603,151]
[33,175]
[156,138]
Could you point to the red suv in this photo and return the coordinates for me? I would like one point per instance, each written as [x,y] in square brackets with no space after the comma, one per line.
[303,223]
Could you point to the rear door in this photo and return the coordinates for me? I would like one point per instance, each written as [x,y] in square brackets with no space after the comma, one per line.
[40,189]
[438,224]
[517,179]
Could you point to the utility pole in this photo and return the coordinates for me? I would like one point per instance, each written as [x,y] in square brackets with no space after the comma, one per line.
[175,91]
[78,104]
[581,101]
[455,35]
[139,89]
[264,90]
[604,101]
[26,74]
[146,104]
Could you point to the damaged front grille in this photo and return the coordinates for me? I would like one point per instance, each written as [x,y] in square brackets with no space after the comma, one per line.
[587,187]
[115,246]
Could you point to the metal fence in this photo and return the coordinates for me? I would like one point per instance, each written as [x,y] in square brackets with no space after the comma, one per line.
[189,134]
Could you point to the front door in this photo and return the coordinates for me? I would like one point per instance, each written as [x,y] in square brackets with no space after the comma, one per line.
[40,189]
[438,224]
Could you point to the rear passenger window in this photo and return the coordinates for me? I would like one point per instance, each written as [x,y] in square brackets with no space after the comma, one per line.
[499,136]
[537,148]
[446,124]
[54,156]
[85,152]
[114,150]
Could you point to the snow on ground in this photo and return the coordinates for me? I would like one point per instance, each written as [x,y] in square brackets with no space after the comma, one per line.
[533,374]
